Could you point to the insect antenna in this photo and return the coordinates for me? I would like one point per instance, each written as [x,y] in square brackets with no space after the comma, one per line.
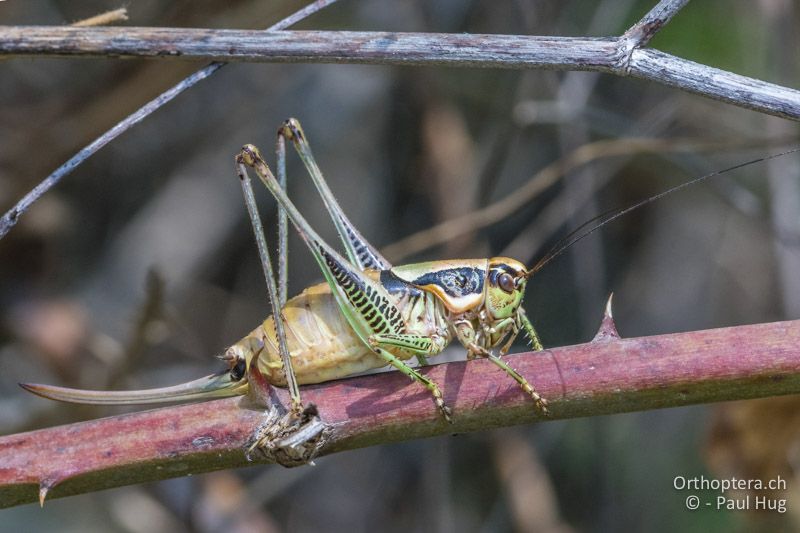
[595,223]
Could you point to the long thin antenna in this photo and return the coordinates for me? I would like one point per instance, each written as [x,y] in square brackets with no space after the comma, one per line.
[605,218]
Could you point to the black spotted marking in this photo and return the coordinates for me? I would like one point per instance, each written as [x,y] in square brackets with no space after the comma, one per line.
[365,255]
[395,318]
[394,285]
[507,268]
[455,282]
[420,343]
[238,370]
[493,273]
[368,301]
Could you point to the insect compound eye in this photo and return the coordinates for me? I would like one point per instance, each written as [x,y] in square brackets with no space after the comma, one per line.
[506,282]
[237,372]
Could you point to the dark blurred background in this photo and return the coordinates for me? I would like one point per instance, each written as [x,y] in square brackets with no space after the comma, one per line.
[141,265]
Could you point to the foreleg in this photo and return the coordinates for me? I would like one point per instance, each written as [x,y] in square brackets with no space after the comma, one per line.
[467,336]
[536,344]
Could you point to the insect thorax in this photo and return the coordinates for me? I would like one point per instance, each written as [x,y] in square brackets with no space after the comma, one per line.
[423,312]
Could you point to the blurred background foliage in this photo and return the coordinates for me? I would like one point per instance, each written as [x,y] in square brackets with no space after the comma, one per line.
[141,266]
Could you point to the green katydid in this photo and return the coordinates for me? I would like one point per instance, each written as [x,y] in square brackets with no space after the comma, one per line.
[367,313]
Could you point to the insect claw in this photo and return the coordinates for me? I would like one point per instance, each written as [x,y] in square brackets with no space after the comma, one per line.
[541,404]
[291,439]
[447,416]
[446,412]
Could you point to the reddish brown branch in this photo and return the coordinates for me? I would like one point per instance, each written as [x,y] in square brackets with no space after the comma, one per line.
[601,377]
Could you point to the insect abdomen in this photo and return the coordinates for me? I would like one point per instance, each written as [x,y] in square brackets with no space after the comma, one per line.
[322,344]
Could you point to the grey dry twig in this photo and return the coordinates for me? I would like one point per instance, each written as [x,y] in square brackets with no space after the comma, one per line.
[622,55]
[11,217]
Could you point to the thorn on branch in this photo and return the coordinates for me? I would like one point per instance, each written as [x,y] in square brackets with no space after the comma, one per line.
[608,329]
[44,488]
